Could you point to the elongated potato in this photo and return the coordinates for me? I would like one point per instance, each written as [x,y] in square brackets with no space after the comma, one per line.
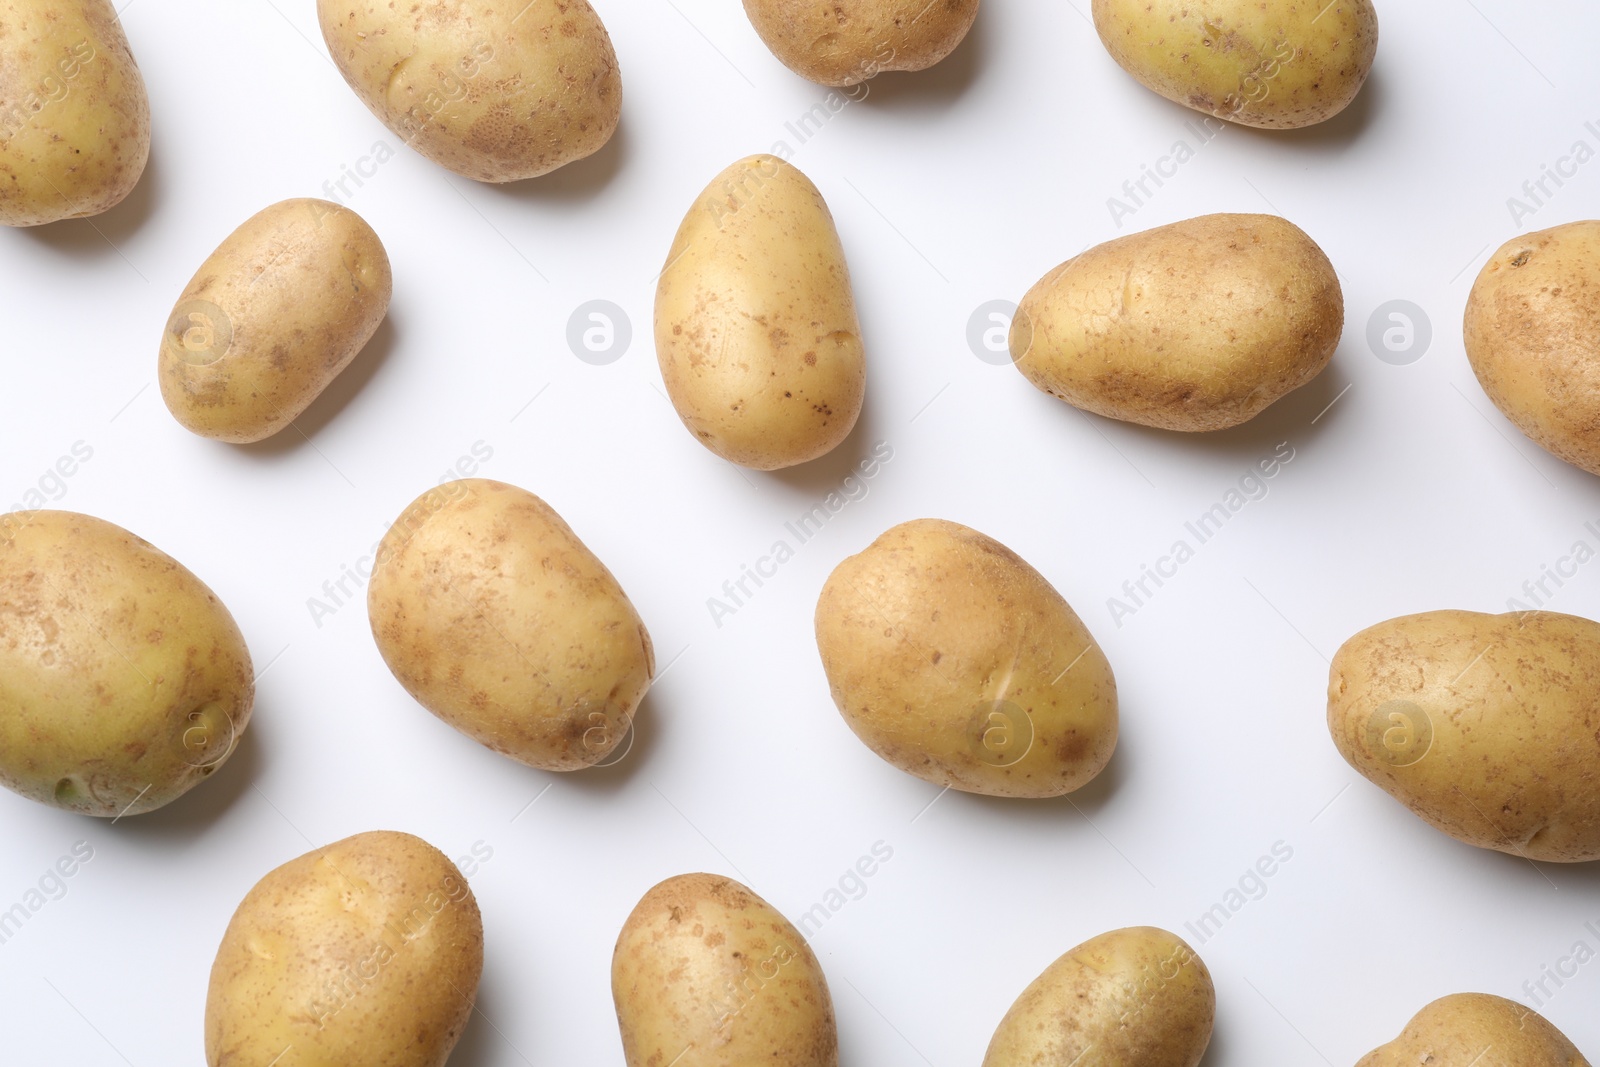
[497,92]
[1533,336]
[499,620]
[955,661]
[850,41]
[74,118]
[271,318]
[705,965]
[1477,1030]
[755,322]
[1486,726]
[1130,998]
[124,682]
[365,953]
[1275,64]
[1194,326]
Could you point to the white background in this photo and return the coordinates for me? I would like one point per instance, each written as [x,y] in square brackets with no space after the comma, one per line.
[951,188]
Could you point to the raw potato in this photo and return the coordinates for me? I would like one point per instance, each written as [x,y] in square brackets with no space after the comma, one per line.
[271,318]
[850,41]
[365,953]
[1275,64]
[74,118]
[1486,726]
[1477,1030]
[1131,998]
[756,327]
[954,660]
[497,619]
[1533,337]
[124,682]
[703,963]
[494,91]
[1194,326]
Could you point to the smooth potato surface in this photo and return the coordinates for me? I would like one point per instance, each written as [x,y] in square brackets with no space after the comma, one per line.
[74,117]
[1195,326]
[957,662]
[755,320]
[1486,726]
[499,620]
[704,964]
[1138,997]
[494,91]
[365,953]
[271,318]
[1532,333]
[124,682]
[1274,64]
[1477,1030]
[851,41]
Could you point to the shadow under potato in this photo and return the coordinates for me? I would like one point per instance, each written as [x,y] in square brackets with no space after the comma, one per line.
[102,236]
[332,400]
[578,181]
[939,85]
[185,819]
[1298,418]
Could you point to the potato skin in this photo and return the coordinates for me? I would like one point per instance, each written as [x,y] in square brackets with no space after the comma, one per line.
[1477,1030]
[851,41]
[1195,326]
[691,969]
[1497,739]
[124,682]
[74,117]
[755,320]
[957,662]
[365,953]
[1532,333]
[1138,997]
[1273,64]
[499,620]
[496,92]
[282,306]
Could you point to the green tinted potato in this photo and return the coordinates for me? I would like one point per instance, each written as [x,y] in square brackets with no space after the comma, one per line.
[124,682]
[74,119]
[1276,64]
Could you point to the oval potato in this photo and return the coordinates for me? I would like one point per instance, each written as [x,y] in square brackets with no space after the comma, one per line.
[1532,333]
[124,682]
[1195,326]
[850,41]
[1274,64]
[499,620]
[957,662]
[1477,1030]
[755,320]
[74,117]
[496,92]
[271,318]
[1486,726]
[365,952]
[704,963]
[1139,997]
